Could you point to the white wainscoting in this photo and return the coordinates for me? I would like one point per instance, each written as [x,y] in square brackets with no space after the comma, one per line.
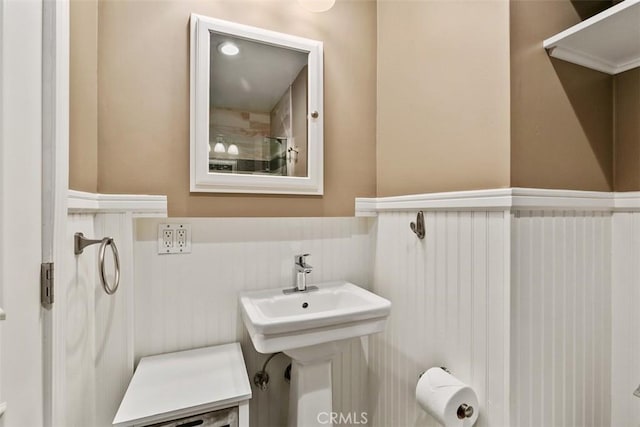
[450,295]
[76,295]
[515,303]
[625,300]
[113,348]
[97,328]
[518,303]
[561,319]
[185,301]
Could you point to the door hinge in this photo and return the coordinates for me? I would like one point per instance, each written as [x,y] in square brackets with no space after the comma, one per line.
[46,283]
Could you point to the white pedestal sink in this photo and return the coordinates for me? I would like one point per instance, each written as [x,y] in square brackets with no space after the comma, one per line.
[311,327]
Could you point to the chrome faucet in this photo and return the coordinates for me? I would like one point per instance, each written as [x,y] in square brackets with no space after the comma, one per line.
[302,269]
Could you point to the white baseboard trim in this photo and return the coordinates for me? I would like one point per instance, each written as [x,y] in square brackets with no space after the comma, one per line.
[141,206]
[503,199]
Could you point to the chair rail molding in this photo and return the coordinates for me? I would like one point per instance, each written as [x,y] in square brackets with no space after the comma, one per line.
[503,199]
[141,206]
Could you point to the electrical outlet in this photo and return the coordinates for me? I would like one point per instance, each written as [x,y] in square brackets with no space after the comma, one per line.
[181,237]
[174,238]
[167,239]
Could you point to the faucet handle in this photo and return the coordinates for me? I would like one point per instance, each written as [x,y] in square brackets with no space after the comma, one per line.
[301,259]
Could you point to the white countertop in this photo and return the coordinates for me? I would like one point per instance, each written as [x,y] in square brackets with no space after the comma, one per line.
[175,385]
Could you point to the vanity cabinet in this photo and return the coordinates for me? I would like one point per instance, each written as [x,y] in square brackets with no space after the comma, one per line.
[205,387]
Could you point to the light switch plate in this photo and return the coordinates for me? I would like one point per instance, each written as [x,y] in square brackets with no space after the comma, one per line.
[174,239]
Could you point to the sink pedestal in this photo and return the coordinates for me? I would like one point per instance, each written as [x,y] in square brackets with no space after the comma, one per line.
[310,394]
[310,397]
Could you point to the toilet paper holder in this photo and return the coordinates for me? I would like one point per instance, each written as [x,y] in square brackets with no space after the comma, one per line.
[464,410]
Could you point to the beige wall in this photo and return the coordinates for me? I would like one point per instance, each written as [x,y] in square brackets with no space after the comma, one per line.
[466,99]
[443,96]
[83,96]
[627,131]
[143,101]
[561,114]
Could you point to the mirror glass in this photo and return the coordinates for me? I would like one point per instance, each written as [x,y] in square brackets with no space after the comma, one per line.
[256,110]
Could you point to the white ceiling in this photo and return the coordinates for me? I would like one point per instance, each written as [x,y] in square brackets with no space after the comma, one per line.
[256,78]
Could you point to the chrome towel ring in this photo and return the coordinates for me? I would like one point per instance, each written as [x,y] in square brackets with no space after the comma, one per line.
[81,242]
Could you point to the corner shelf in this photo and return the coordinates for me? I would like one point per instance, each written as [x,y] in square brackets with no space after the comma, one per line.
[608,42]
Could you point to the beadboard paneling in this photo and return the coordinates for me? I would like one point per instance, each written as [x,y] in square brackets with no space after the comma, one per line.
[561,319]
[113,348]
[98,327]
[450,295]
[625,296]
[75,294]
[185,301]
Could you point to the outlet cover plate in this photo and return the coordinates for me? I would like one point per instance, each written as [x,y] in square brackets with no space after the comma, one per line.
[178,243]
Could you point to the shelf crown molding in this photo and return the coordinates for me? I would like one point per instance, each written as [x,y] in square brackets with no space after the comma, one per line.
[608,42]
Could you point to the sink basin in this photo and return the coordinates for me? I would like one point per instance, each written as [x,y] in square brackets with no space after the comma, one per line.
[311,327]
[336,311]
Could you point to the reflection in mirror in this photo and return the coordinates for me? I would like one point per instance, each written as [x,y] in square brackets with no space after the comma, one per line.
[257,108]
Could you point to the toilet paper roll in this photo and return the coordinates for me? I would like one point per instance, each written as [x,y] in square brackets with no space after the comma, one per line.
[442,395]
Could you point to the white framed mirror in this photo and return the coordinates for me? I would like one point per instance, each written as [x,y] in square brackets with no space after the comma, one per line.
[256,110]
